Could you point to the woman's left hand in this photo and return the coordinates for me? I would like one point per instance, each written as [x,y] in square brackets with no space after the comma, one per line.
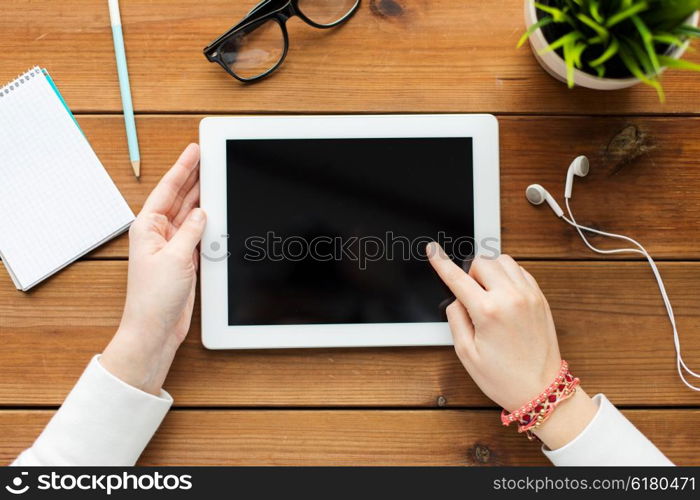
[163,260]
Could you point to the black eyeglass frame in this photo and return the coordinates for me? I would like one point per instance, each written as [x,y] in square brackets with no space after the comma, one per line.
[277,10]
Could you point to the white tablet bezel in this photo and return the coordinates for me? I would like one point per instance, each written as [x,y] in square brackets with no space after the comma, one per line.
[215,131]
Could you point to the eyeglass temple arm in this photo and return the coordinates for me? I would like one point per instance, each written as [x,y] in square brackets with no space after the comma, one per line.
[210,49]
[259,6]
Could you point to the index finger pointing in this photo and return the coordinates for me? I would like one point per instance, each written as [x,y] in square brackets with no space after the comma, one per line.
[460,283]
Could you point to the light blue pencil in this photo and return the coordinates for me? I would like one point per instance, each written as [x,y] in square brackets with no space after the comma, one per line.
[124,87]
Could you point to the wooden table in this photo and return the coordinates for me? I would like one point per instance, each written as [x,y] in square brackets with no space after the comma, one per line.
[372,406]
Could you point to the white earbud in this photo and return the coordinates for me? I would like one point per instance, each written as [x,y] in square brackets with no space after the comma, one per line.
[579,167]
[537,195]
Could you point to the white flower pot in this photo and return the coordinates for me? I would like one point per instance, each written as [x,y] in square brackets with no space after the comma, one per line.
[555,65]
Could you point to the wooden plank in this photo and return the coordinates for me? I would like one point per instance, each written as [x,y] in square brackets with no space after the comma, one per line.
[434,437]
[655,197]
[394,55]
[611,323]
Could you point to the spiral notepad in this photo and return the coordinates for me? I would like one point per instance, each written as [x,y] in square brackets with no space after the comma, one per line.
[57,201]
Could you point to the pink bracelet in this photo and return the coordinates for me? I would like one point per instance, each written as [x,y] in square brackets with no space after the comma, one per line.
[533,413]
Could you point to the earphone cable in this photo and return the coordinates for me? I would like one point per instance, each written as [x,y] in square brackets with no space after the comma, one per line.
[680,364]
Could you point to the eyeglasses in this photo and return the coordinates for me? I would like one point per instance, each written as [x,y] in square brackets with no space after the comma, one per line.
[257,45]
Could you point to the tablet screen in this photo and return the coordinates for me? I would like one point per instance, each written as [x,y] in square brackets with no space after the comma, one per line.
[325,231]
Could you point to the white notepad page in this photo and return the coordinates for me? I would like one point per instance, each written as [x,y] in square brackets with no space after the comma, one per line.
[57,202]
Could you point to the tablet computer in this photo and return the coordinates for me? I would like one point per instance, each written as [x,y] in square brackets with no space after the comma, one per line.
[317,226]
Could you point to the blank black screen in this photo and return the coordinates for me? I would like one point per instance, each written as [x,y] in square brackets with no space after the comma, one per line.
[336,195]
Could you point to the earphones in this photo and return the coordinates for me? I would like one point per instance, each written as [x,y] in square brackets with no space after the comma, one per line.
[537,195]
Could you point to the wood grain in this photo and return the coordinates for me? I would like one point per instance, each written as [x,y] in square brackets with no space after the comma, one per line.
[393,56]
[611,323]
[644,178]
[361,437]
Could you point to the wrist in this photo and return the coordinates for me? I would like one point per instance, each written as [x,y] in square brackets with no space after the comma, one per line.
[567,421]
[558,414]
[139,359]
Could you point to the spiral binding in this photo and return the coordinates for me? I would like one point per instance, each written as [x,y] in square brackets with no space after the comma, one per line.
[19,81]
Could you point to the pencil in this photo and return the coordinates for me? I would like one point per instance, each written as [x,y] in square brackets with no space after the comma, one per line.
[124,87]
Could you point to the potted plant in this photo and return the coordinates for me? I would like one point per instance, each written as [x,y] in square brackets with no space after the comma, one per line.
[611,44]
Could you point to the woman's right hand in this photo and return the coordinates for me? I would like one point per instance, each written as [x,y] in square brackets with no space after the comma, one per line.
[504,335]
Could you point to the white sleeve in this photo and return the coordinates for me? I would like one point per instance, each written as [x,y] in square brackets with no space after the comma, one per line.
[608,439]
[103,421]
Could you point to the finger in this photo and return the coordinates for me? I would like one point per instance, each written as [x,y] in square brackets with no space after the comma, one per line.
[189,234]
[460,283]
[189,201]
[533,284]
[489,273]
[165,193]
[513,270]
[184,190]
[195,259]
[462,330]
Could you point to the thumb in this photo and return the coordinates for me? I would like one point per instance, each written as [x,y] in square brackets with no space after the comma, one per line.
[189,234]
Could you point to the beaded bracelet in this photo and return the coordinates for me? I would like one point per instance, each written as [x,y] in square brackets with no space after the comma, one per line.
[532,414]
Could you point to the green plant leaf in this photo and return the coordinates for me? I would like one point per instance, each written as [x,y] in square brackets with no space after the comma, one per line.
[569,60]
[559,15]
[687,30]
[674,63]
[668,39]
[668,13]
[647,39]
[595,12]
[642,57]
[561,42]
[603,33]
[542,22]
[633,67]
[591,35]
[626,13]
[609,53]
[578,50]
